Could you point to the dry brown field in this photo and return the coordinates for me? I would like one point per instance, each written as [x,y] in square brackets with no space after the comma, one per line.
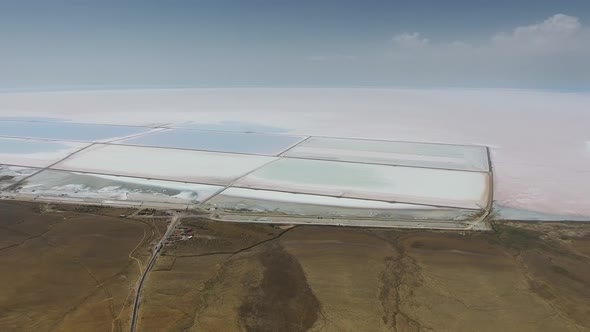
[249,277]
[68,268]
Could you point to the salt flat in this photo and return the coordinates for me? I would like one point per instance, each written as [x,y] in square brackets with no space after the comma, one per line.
[366,181]
[248,202]
[97,188]
[538,139]
[459,157]
[35,153]
[10,175]
[163,164]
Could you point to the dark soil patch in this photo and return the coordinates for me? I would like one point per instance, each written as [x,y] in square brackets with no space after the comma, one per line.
[283,301]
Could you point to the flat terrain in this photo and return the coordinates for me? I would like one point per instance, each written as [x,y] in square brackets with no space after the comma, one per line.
[240,277]
[68,268]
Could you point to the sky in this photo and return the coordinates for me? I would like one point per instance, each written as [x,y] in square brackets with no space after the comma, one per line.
[79,44]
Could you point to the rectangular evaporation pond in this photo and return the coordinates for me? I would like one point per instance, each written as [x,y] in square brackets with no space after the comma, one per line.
[96,187]
[34,153]
[10,175]
[233,126]
[264,202]
[249,143]
[68,131]
[163,164]
[375,182]
[471,158]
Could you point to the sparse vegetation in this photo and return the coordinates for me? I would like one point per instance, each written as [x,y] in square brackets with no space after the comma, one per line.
[74,271]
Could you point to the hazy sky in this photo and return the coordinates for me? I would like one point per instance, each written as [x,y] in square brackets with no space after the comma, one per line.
[217,43]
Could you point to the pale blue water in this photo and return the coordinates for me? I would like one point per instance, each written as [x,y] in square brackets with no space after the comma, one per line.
[322,173]
[508,213]
[237,126]
[218,141]
[66,131]
[31,118]
[14,146]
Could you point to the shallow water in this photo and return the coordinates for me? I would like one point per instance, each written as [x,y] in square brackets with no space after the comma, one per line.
[367,181]
[236,126]
[473,158]
[217,141]
[17,146]
[34,153]
[67,131]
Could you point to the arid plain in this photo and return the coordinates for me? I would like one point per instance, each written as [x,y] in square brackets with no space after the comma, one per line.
[70,268]
[66,268]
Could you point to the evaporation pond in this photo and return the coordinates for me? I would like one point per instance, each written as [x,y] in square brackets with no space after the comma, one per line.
[367,181]
[262,201]
[163,164]
[34,153]
[217,141]
[96,186]
[10,175]
[67,131]
[234,126]
[460,157]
